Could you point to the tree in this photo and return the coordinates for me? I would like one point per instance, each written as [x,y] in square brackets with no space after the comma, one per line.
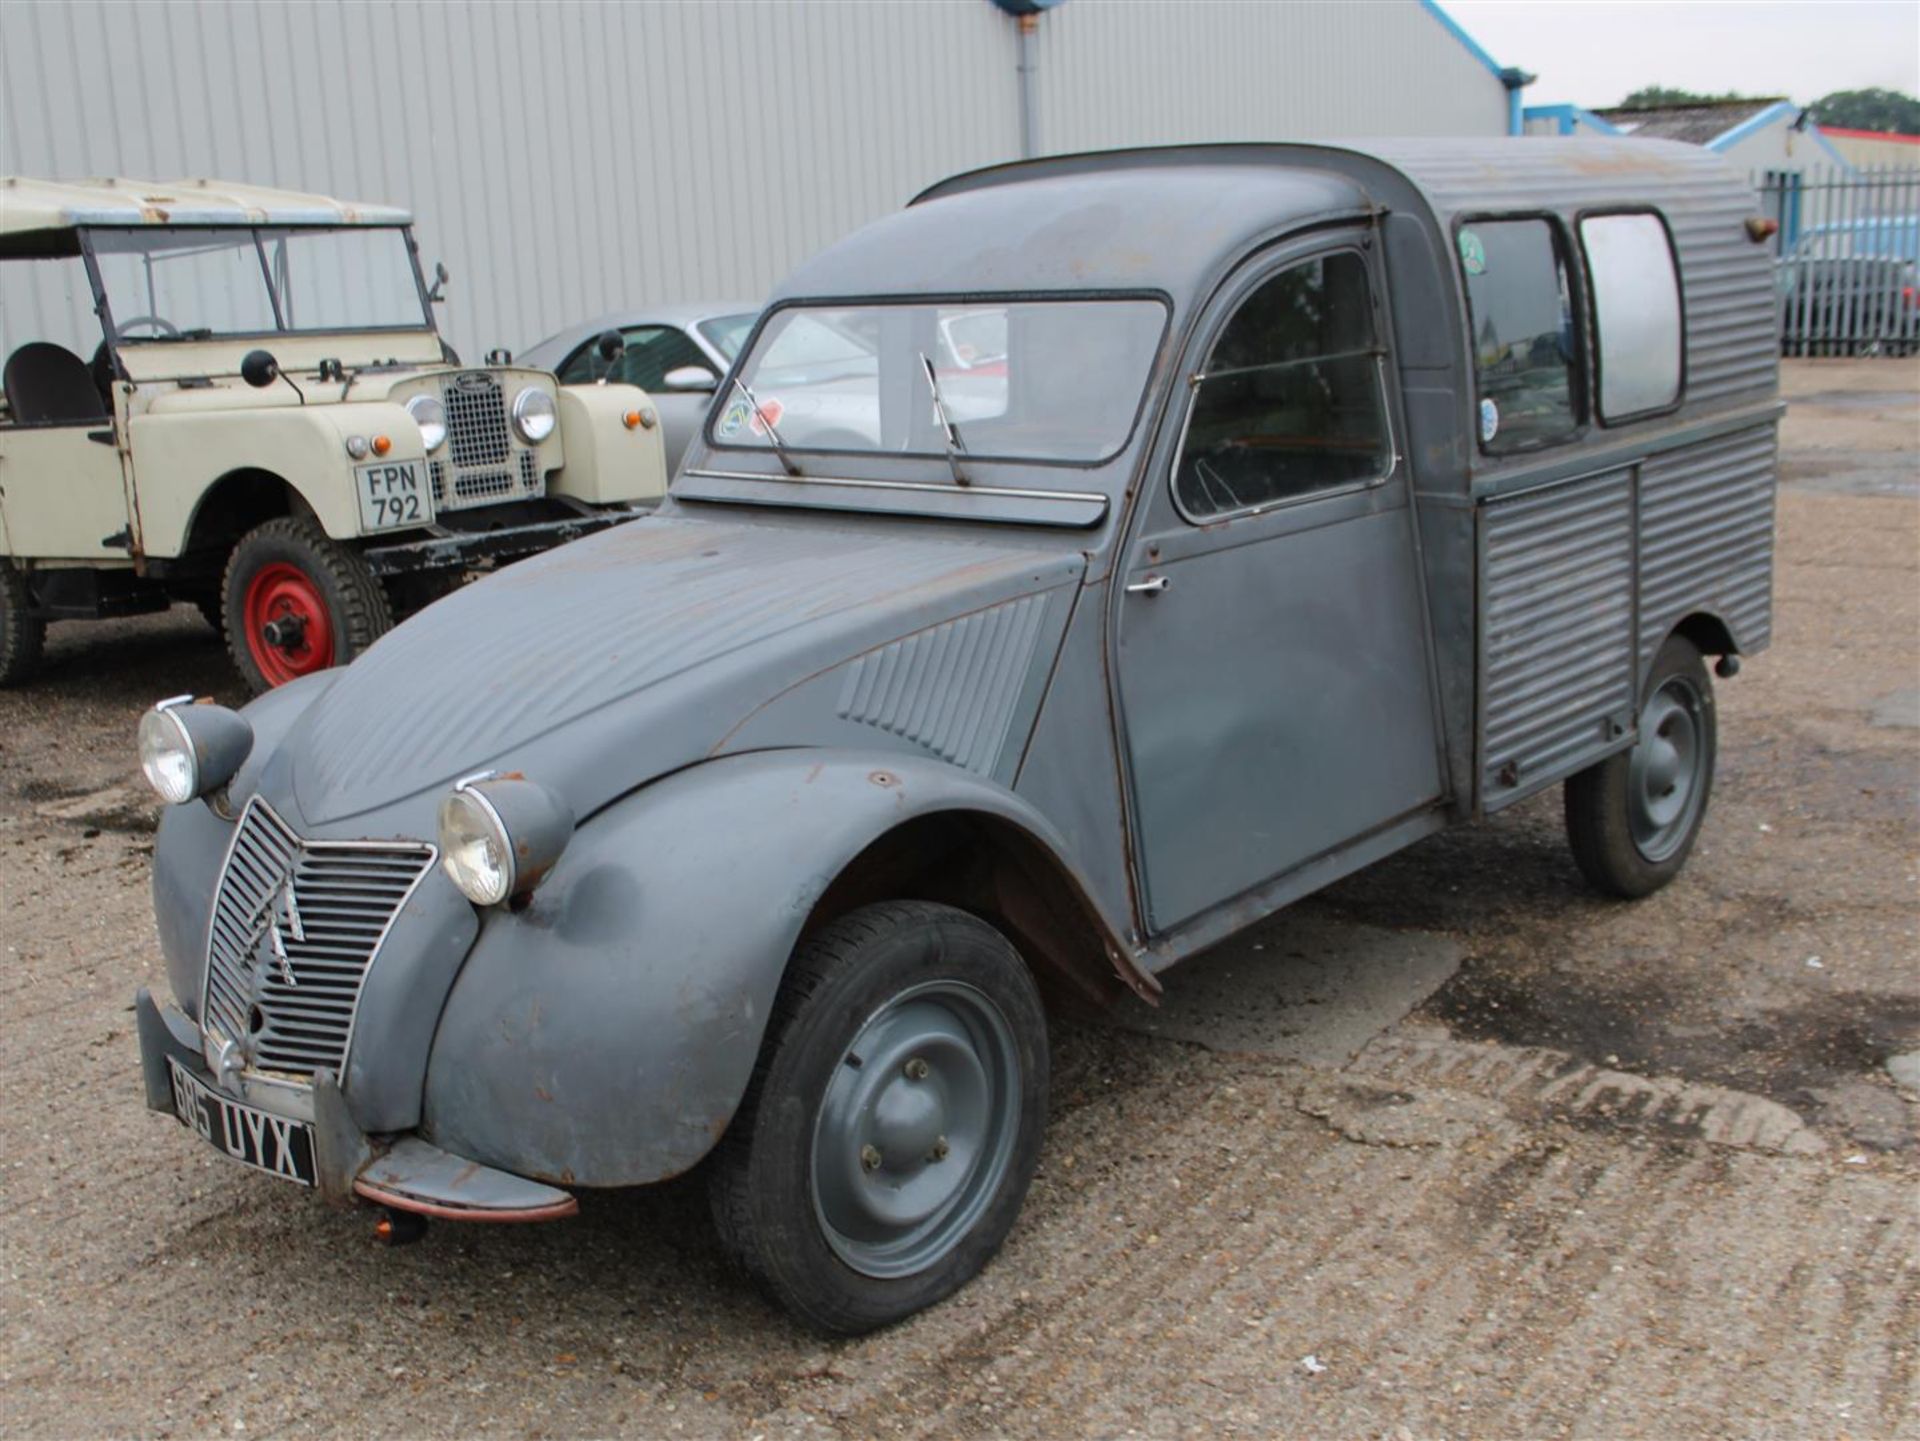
[1650,95]
[1889,111]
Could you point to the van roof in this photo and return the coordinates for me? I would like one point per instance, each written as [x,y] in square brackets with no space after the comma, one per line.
[1170,218]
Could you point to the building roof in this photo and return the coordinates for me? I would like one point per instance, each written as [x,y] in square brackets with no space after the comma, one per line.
[1699,124]
[31,206]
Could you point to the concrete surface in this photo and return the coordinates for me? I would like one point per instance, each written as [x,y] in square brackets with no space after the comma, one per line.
[1540,1165]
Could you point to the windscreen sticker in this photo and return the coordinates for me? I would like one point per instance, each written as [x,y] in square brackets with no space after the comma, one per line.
[1473,255]
[1489,421]
[732,420]
[768,415]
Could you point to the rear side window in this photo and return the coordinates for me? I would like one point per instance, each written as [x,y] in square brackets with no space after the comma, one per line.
[652,350]
[1289,403]
[1636,313]
[1524,343]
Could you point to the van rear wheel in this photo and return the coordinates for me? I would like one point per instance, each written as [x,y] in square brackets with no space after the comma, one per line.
[23,634]
[297,601]
[894,1119]
[1632,819]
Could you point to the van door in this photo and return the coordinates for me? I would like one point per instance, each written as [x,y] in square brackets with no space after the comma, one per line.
[1273,667]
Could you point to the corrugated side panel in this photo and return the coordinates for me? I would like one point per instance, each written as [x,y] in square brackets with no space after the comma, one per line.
[953,688]
[1727,280]
[1706,537]
[1556,637]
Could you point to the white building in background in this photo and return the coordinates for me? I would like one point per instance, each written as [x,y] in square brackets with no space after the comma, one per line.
[569,158]
[1762,136]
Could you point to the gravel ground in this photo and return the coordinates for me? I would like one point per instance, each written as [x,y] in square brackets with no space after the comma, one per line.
[1481,1155]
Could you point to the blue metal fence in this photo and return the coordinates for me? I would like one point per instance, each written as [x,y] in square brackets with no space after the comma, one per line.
[1847,254]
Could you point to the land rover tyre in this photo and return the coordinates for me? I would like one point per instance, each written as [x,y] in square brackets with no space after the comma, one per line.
[296,602]
[893,1121]
[1632,819]
[22,633]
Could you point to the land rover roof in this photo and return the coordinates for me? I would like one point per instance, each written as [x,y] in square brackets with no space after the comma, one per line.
[44,217]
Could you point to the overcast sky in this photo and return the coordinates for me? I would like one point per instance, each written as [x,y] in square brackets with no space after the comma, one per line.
[1593,52]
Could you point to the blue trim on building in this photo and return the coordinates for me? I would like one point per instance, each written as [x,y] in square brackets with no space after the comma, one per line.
[1813,129]
[1454,29]
[1570,119]
[1512,78]
[1754,123]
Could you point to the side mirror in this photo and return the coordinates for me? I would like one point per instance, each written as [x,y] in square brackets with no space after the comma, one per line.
[259,369]
[437,295]
[690,377]
[611,345]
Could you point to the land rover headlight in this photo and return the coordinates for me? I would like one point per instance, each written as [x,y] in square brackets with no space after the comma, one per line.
[431,416]
[188,751]
[500,835]
[533,415]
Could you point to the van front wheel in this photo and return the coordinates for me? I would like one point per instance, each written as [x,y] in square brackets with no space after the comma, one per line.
[894,1119]
[1632,819]
[297,601]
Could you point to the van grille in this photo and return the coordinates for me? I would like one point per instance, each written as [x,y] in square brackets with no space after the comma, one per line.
[296,925]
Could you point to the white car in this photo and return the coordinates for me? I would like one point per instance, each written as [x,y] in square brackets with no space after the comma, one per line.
[682,350]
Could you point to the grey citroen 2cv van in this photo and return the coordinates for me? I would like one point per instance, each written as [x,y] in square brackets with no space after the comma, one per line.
[1077,567]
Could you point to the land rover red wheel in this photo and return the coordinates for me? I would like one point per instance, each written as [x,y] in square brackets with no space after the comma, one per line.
[297,602]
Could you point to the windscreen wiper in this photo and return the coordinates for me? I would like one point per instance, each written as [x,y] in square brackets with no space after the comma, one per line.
[955,446]
[779,445]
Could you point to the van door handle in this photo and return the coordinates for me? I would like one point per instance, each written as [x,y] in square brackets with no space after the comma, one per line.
[1155,585]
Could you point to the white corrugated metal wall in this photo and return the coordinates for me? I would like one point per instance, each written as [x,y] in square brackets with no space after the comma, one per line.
[567,158]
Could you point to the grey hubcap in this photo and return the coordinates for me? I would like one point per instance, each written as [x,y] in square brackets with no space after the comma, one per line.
[916,1129]
[1664,781]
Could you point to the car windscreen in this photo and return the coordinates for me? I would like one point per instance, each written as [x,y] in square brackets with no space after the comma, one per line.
[727,333]
[192,284]
[1018,379]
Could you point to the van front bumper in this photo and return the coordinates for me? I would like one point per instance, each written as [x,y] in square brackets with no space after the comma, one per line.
[268,1130]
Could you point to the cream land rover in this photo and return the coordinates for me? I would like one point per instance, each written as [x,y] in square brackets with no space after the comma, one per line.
[269,426]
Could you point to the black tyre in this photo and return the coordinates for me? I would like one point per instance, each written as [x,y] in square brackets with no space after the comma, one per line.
[23,635]
[894,1118]
[296,602]
[1633,818]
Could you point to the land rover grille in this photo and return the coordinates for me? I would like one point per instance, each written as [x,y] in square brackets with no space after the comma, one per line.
[485,461]
[296,925]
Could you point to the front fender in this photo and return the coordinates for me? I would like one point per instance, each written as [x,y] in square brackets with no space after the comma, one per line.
[178,455]
[604,1035]
[608,462]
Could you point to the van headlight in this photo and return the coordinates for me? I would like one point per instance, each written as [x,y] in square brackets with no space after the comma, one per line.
[533,415]
[188,751]
[501,835]
[431,416]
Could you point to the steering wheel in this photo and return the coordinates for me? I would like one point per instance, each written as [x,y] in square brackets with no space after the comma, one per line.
[159,323]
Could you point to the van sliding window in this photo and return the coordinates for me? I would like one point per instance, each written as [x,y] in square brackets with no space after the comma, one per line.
[1636,313]
[1525,345]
